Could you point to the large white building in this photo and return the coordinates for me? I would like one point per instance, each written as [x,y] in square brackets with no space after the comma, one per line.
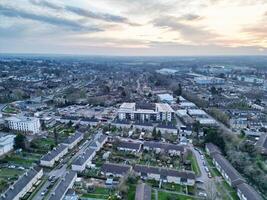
[24,124]
[6,143]
[145,112]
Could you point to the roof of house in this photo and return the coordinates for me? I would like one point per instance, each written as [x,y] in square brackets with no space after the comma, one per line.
[86,119]
[63,186]
[83,157]
[169,126]
[248,192]
[115,168]
[164,146]
[213,149]
[164,171]
[143,192]
[17,187]
[52,154]
[73,138]
[231,172]
[262,142]
[164,107]
[129,145]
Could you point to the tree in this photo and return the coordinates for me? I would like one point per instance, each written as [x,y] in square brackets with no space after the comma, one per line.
[55,136]
[154,133]
[178,90]
[159,134]
[211,135]
[177,100]
[20,141]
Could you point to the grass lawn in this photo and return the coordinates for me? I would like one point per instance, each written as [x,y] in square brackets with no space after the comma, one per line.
[43,144]
[214,172]
[99,193]
[20,160]
[9,109]
[194,164]
[172,187]
[230,190]
[166,196]
[7,175]
[131,192]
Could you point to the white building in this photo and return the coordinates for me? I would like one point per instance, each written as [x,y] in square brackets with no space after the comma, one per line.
[24,124]
[83,160]
[6,143]
[145,112]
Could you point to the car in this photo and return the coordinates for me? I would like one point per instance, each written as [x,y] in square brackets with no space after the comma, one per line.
[200,181]
[51,178]
[21,168]
[202,194]
[206,169]
[209,175]
[204,163]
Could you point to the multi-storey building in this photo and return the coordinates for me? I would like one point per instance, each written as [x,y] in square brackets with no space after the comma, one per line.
[145,112]
[24,124]
[6,143]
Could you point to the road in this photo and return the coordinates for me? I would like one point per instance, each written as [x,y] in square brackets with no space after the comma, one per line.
[207,182]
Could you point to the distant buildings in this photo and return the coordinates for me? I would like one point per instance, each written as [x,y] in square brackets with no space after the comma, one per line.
[22,185]
[24,124]
[145,112]
[166,98]
[6,143]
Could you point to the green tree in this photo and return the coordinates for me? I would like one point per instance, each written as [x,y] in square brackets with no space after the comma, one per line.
[178,90]
[55,136]
[20,141]
[154,133]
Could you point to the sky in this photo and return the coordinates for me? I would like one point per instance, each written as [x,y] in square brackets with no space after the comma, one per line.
[134,27]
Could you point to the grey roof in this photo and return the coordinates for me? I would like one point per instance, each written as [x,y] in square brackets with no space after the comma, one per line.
[74,118]
[213,149]
[262,142]
[164,171]
[143,192]
[143,124]
[248,192]
[72,138]
[129,145]
[231,172]
[52,154]
[164,146]
[83,157]
[86,119]
[63,186]
[102,138]
[16,188]
[169,126]
[115,168]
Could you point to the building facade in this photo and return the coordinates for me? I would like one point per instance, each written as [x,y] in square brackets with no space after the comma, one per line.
[24,124]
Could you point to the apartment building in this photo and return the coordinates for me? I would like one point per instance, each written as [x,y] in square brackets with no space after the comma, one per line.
[145,112]
[6,143]
[80,163]
[24,124]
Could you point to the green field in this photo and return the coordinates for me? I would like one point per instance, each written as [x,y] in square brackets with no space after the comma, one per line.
[194,164]
[8,175]
[99,193]
[167,196]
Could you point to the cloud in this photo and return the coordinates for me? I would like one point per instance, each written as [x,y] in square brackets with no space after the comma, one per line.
[99,16]
[84,12]
[45,3]
[187,31]
[62,22]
